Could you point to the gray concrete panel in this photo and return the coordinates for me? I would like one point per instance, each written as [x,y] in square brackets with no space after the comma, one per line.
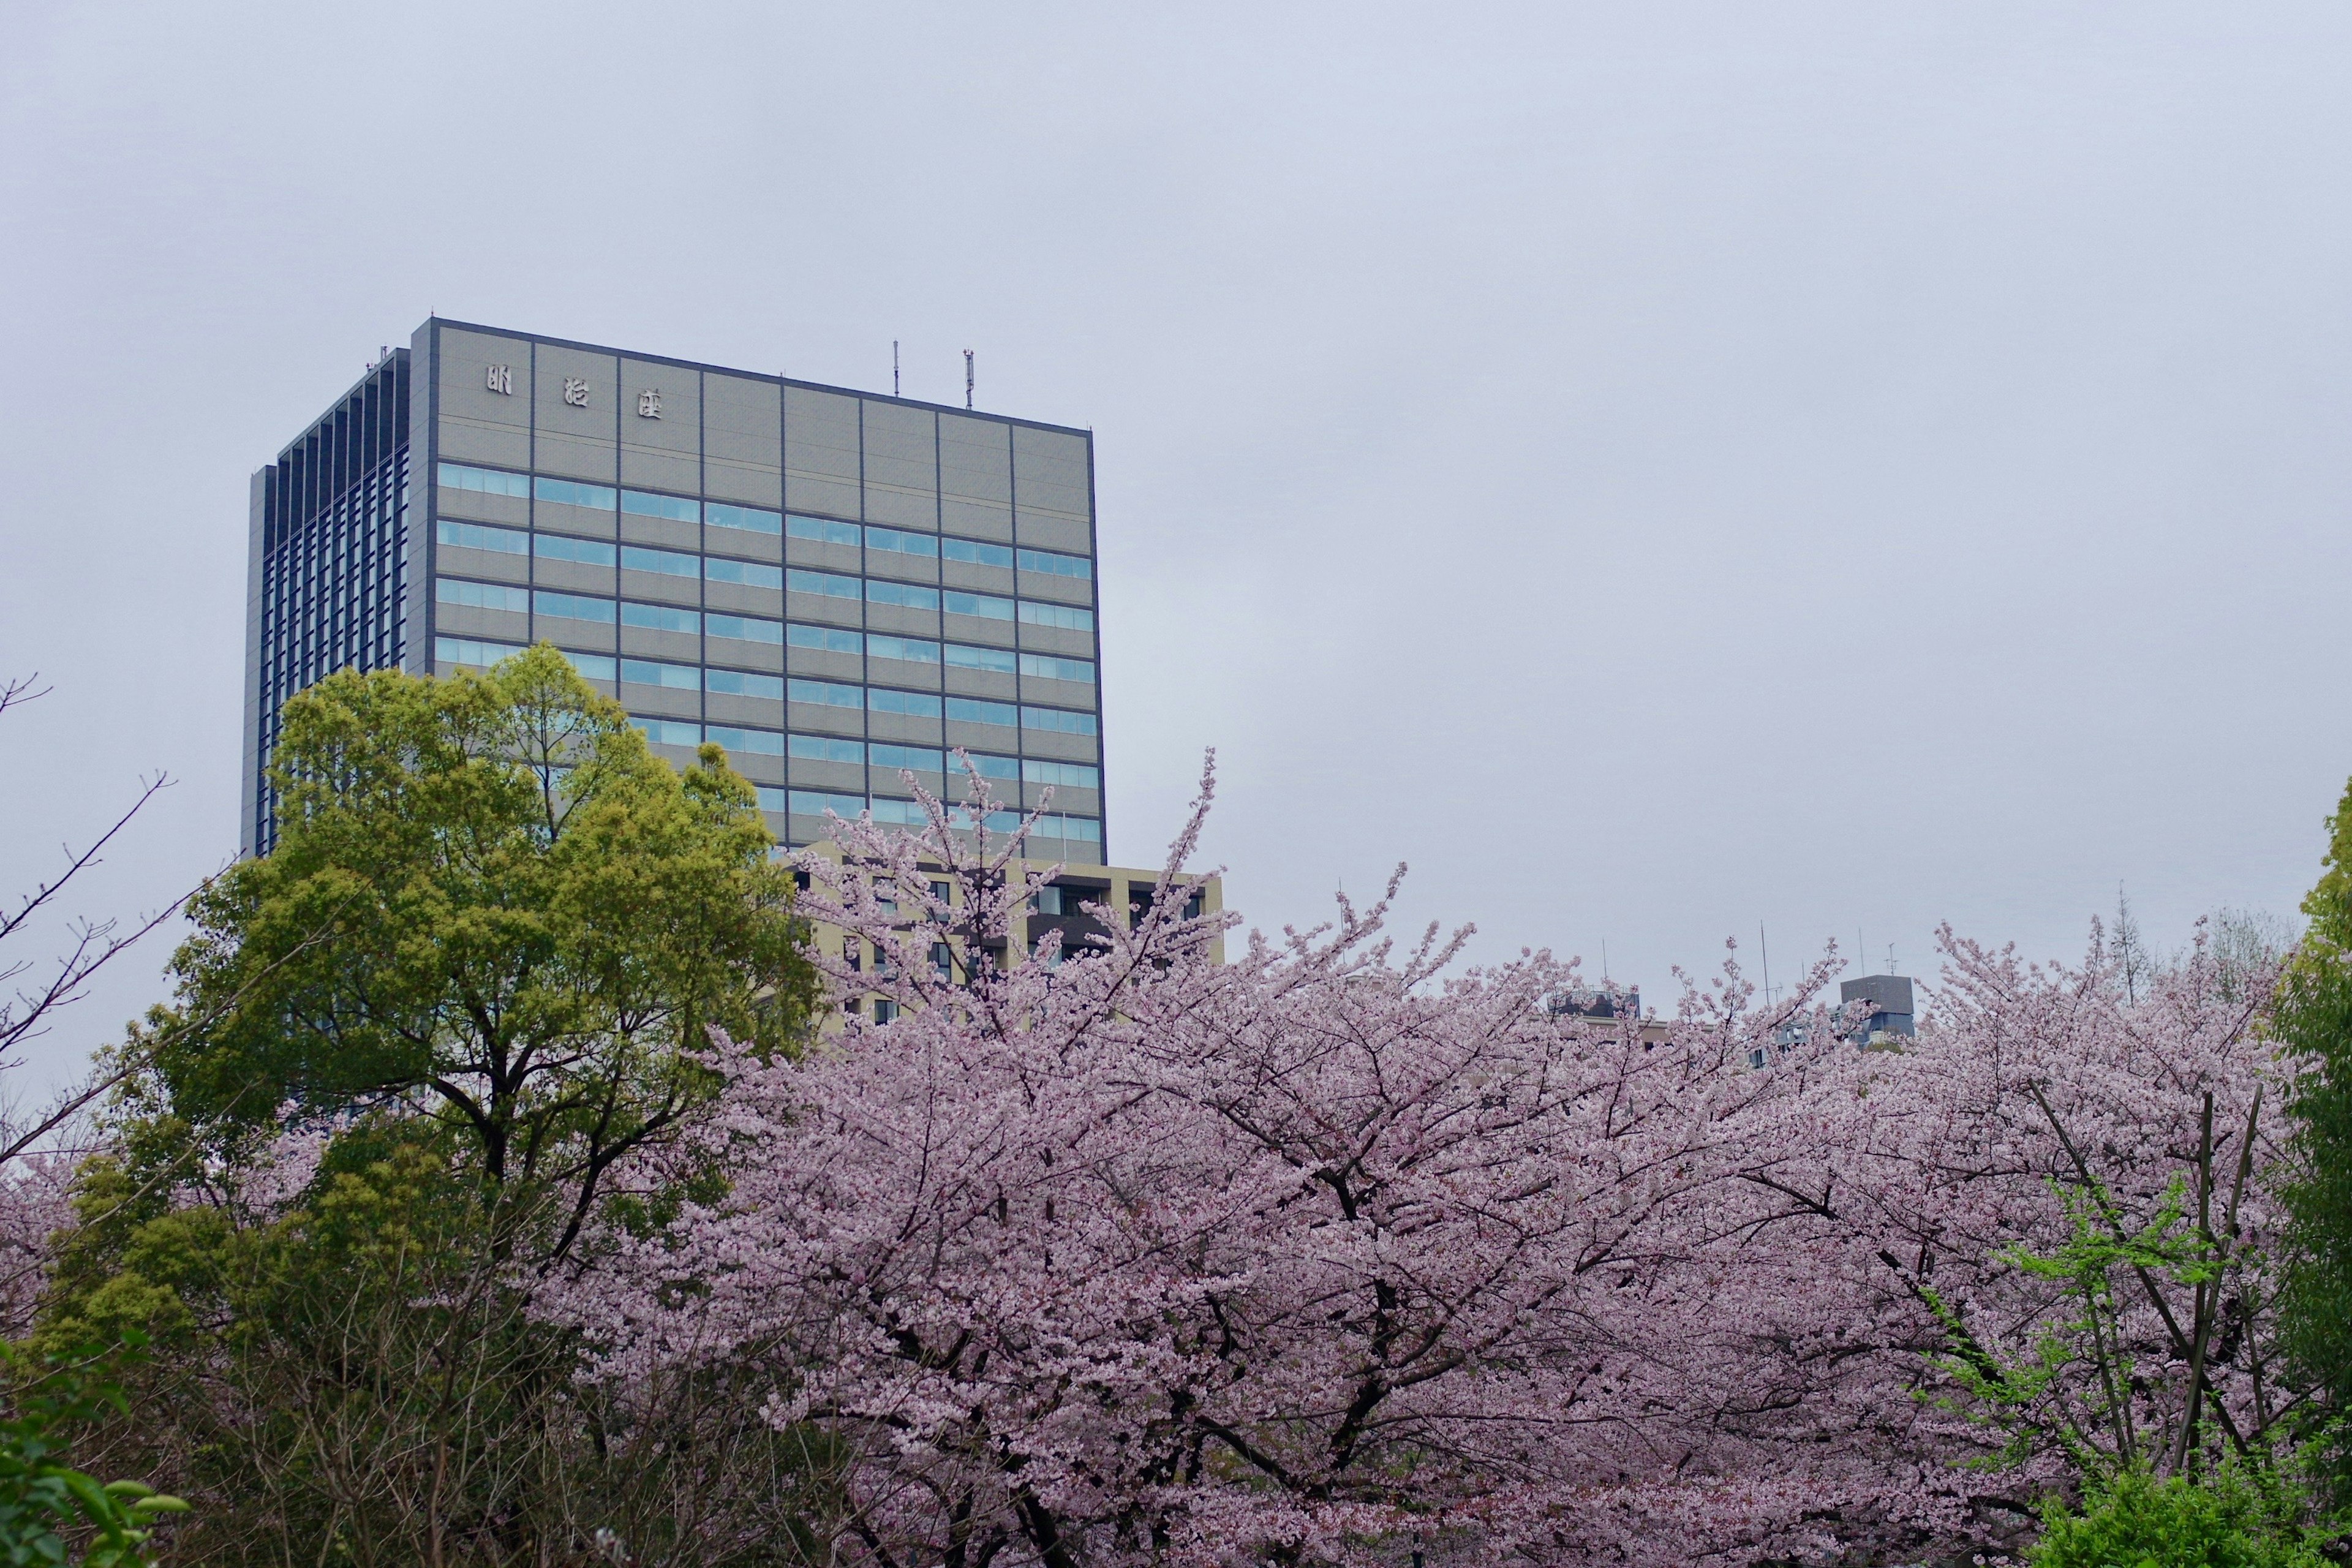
[824,609]
[511,511]
[984,629]
[897,618]
[666,531]
[677,648]
[981,683]
[975,460]
[822,719]
[821,472]
[902,466]
[744,600]
[753,485]
[913,675]
[903,727]
[1049,471]
[900,567]
[997,580]
[575,459]
[976,520]
[758,767]
[1000,740]
[560,517]
[1058,693]
[744,543]
[743,421]
[764,657]
[661,411]
[891,785]
[573,576]
[466,621]
[726,708]
[473,441]
[1060,747]
[564,632]
[826,664]
[484,384]
[1057,590]
[1075,802]
[825,557]
[575,401]
[849,778]
[663,702]
[653,470]
[661,588]
[1054,639]
[489,565]
[1054,531]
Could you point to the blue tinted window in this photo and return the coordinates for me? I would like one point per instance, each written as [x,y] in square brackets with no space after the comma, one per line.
[914,650]
[563,547]
[1060,721]
[742,683]
[489,481]
[468,650]
[746,628]
[998,659]
[573,606]
[995,822]
[816,803]
[675,508]
[923,544]
[669,731]
[659,618]
[571,492]
[973,551]
[972,710]
[988,767]
[749,518]
[592,666]
[1069,617]
[828,749]
[1070,775]
[651,672]
[771,798]
[832,639]
[902,594]
[914,704]
[480,595]
[922,759]
[831,584]
[1057,565]
[480,536]
[750,573]
[1047,667]
[1084,828]
[822,529]
[764,743]
[985,605]
[899,812]
[830,693]
[637,558]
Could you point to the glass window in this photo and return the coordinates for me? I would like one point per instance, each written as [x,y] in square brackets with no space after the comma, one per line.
[903,594]
[822,529]
[900,813]
[749,518]
[971,710]
[470,651]
[573,606]
[1069,617]
[1047,666]
[669,731]
[489,481]
[914,704]
[1070,775]
[592,666]
[998,659]
[659,618]
[771,798]
[1057,565]
[677,508]
[481,536]
[651,672]
[832,639]
[922,759]
[995,822]
[831,584]
[1085,829]
[765,742]
[750,573]
[1060,721]
[924,545]
[914,650]
[988,767]
[742,683]
[984,604]
[828,749]
[746,628]
[830,693]
[481,595]
[816,803]
[561,547]
[637,558]
[974,552]
[571,492]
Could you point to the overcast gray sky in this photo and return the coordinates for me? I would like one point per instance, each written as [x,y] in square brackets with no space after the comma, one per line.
[1658,468]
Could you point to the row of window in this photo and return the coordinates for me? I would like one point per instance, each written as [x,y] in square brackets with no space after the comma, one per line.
[760,574]
[753,520]
[478,653]
[909,814]
[741,683]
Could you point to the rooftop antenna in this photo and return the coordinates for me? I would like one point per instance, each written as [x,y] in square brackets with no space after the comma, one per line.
[1766,953]
[1604,961]
[967,378]
[893,367]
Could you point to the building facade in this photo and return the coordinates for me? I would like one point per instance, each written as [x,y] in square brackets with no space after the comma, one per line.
[840,589]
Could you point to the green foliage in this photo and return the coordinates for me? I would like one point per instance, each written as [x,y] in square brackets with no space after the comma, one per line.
[2314,1023]
[44,1502]
[2232,1521]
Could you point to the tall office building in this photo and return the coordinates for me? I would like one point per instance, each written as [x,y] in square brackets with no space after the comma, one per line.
[835,586]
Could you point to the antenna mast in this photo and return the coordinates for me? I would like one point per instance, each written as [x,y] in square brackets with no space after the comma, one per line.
[967,378]
[893,367]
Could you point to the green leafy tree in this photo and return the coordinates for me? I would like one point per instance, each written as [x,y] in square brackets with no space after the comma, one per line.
[412,1052]
[2314,1022]
[47,1507]
[2233,1520]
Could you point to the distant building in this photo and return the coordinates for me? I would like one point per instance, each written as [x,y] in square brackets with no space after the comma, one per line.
[1891,1015]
